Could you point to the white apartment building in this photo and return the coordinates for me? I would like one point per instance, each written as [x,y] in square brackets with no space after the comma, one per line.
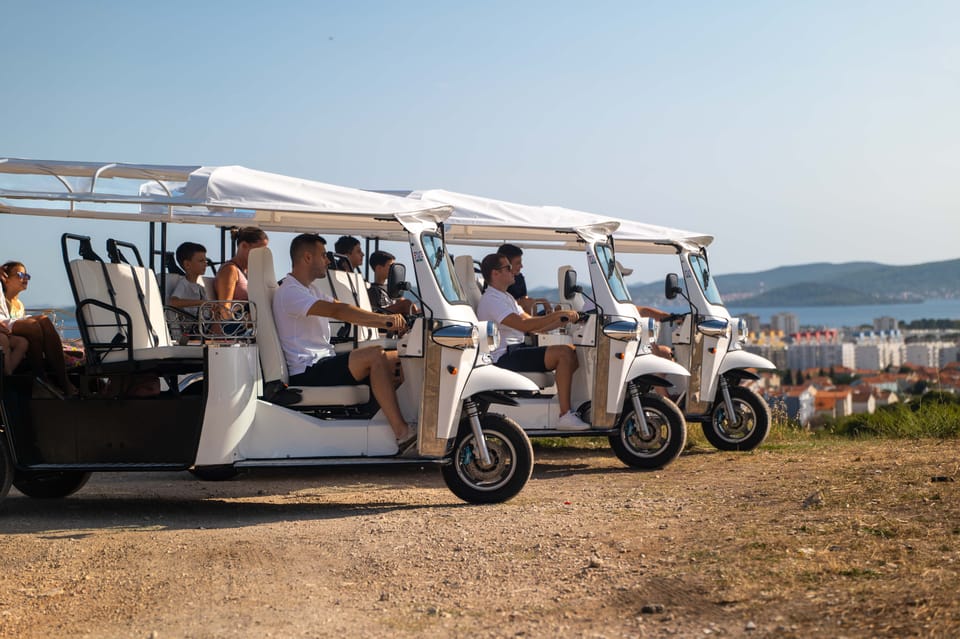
[876,350]
[885,324]
[804,355]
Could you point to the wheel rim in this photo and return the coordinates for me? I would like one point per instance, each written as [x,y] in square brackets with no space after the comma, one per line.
[741,427]
[502,466]
[633,438]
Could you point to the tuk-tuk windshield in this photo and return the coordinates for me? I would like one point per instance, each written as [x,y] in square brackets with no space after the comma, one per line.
[608,264]
[442,267]
[701,270]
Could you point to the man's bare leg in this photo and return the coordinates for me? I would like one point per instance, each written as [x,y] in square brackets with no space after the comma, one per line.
[373,362]
[562,360]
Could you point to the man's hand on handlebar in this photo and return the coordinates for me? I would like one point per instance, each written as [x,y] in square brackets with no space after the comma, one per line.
[395,323]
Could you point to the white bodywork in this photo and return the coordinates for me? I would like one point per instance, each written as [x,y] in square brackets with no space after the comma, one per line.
[237,426]
[605,365]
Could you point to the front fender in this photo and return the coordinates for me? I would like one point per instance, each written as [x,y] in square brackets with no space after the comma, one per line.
[650,364]
[494,378]
[742,359]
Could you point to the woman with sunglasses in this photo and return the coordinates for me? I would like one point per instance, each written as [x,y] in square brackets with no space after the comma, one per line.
[44,347]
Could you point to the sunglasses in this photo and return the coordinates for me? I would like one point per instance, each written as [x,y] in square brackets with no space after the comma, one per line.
[505,267]
[24,277]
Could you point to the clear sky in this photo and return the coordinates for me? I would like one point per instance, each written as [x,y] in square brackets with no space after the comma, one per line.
[795,132]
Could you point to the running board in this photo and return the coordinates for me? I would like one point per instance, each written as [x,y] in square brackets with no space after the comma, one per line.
[337,461]
[590,432]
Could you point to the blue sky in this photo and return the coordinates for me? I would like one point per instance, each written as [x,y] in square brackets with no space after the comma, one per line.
[794,132]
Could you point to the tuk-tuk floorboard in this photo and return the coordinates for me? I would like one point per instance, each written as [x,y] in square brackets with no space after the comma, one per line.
[849,539]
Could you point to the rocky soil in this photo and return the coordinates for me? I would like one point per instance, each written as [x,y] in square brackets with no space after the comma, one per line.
[858,539]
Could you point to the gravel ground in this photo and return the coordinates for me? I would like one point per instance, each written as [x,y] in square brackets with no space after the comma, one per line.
[805,540]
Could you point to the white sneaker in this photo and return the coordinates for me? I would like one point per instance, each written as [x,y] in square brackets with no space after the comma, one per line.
[570,421]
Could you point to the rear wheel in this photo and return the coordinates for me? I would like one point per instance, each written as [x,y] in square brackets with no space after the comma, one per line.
[511,462]
[6,467]
[749,426]
[49,484]
[664,440]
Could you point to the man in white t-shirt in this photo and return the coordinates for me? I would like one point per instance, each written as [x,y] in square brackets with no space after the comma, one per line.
[300,311]
[497,305]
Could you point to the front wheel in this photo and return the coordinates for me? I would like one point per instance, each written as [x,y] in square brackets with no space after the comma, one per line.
[50,484]
[749,426]
[511,462]
[664,441]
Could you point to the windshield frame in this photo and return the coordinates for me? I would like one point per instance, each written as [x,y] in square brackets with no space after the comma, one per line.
[607,260]
[700,267]
[442,269]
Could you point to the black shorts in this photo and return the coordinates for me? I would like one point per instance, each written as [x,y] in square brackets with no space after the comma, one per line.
[520,358]
[329,371]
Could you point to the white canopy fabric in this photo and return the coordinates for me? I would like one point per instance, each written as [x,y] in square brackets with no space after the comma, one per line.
[480,218]
[486,220]
[211,195]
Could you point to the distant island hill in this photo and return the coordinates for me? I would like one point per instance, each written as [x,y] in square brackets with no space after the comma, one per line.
[825,284]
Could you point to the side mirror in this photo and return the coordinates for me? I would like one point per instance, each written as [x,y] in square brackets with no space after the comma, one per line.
[671,286]
[570,287]
[397,280]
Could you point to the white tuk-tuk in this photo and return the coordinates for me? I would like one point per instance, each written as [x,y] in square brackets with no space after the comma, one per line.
[708,341]
[614,385]
[223,404]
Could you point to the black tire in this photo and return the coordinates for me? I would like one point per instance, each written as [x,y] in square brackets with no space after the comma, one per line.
[224,472]
[6,467]
[666,441]
[750,428]
[50,484]
[512,457]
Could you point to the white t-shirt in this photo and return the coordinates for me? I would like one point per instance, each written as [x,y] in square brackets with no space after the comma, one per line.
[5,312]
[495,306]
[305,339]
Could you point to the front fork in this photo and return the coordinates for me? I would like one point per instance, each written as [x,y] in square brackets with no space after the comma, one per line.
[638,410]
[473,414]
[731,416]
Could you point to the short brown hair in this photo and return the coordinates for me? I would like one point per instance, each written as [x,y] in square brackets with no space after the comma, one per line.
[490,263]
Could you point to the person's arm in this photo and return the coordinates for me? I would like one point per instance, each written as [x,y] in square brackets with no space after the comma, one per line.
[539,323]
[226,282]
[355,315]
[655,313]
[179,302]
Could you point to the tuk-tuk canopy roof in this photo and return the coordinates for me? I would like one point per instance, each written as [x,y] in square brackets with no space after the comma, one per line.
[483,220]
[480,220]
[221,196]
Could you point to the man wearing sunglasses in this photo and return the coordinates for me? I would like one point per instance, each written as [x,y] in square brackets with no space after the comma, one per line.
[497,305]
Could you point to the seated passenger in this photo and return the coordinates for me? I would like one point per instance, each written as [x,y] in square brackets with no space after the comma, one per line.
[497,305]
[231,282]
[13,346]
[301,312]
[380,301]
[519,287]
[648,311]
[44,347]
[190,291]
[352,255]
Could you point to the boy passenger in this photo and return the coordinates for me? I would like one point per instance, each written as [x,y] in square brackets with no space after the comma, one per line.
[301,311]
[190,291]
[380,301]
[497,305]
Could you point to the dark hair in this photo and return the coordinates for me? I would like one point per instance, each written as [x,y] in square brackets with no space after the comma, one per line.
[510,251]
[187,250]
[9,265]
[490,263]
[302,242]
[345,244]
[380,258]
[248,234]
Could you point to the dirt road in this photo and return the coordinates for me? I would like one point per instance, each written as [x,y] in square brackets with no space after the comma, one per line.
[838,540]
